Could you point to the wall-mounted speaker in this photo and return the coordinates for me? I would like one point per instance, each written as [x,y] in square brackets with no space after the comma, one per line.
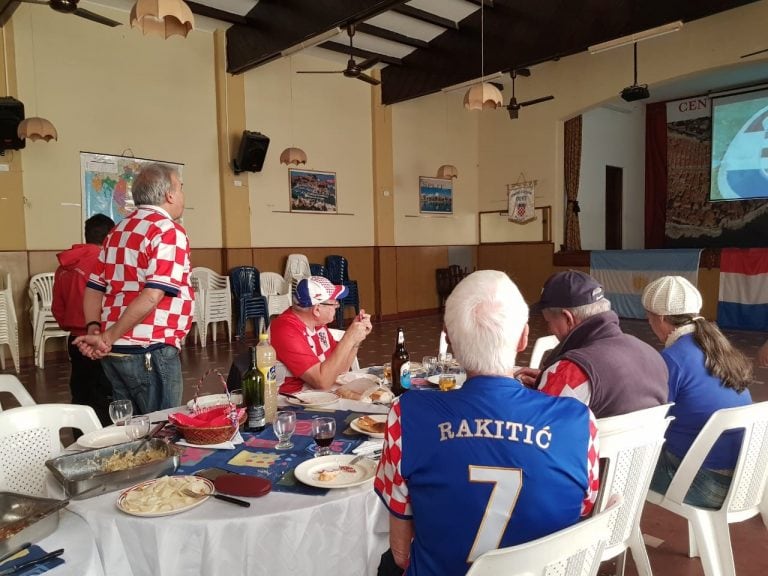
[251,154]
[11,114]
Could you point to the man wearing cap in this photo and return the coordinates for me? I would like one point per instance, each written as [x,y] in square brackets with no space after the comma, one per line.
[595,362]
[304,344]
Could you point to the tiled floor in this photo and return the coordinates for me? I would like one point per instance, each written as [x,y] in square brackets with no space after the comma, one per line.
[668,535]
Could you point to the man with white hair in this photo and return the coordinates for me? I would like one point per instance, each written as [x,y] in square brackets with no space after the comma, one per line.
[491,464]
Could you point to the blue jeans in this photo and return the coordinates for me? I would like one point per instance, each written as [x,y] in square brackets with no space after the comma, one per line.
[708,489]
[153,385]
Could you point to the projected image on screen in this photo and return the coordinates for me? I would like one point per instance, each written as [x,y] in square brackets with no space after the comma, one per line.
[740,147]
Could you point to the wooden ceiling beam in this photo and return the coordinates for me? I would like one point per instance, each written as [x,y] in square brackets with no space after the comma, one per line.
[224,16]
[425,16]
[359,52]
[390,35]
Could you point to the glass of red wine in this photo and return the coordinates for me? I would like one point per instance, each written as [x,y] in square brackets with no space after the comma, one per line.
[323,431]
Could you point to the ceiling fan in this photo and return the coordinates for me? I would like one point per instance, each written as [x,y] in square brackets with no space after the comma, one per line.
[353,69]
[514,106]
[70,7]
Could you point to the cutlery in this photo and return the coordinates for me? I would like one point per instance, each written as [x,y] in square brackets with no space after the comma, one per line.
[372,455]
[194,494]
[15,551]
[294,397]
[24,565]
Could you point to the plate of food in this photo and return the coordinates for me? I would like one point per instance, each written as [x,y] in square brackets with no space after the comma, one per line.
[165,496]
[336,471]
[104,437]
[358,380]
[210,400]
[312,398]
[372,424]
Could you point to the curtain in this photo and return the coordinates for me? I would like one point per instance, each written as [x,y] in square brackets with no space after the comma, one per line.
[655,174]
[572,167]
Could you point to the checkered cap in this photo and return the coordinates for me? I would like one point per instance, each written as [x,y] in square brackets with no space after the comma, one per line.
[671,295]
[316,290]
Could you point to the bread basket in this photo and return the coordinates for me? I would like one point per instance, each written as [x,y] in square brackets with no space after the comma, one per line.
[209,435]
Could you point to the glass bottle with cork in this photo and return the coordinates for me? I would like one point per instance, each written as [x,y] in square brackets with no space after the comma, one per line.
[401,365]
[266,358]
[253,395]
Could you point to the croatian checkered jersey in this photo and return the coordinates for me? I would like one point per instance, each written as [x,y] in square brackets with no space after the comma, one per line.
[146,250]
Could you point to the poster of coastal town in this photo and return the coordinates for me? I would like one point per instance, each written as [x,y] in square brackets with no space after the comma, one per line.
[435,195]
[313,191]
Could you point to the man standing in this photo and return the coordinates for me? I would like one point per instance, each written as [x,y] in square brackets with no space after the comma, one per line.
[138,301]
[87,381]
[611,372]
[492,464]
[304,344]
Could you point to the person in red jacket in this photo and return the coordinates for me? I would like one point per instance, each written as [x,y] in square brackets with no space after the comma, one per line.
[87,381]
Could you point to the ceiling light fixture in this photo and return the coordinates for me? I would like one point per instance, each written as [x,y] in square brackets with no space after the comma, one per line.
[162,17]
[482,96]
[634,38]
[292,155]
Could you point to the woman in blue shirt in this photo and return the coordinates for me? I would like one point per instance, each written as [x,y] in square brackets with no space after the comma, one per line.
[706,374]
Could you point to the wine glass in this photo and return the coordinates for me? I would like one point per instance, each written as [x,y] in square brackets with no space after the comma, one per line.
[430,365]
[120,411]
[284,426]
[137,427]
[323,431]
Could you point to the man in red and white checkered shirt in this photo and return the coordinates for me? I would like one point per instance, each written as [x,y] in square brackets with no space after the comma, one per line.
[138,301]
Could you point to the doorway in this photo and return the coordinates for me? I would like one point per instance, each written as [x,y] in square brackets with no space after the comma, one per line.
[614,191]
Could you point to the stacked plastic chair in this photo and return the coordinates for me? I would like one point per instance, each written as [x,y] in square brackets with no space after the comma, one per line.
[338,273]
[44,325]
[246,288]
[213,301]
[275,290]
[9,328]
[296,268]
[318,270]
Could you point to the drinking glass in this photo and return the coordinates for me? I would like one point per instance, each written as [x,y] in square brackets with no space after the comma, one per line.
[430,365]
[445,363]
[447,382]
[284,427]
[388,373]
[120,411]
[137,427]
[323,431]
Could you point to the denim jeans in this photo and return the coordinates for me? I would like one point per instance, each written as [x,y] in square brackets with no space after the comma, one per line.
[708,489]
[150,386]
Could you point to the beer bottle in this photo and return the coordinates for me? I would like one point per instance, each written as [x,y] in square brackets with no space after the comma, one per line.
[401,365]
[253,395]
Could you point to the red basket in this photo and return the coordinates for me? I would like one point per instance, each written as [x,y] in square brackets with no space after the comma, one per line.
[213,435]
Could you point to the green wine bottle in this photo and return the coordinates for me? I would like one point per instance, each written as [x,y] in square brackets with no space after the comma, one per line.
[253,395]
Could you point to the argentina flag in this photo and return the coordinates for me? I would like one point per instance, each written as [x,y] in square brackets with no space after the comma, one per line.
[625,273]
[743,300]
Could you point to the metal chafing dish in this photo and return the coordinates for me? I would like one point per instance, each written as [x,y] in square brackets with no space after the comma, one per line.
[26,519]
[81,474]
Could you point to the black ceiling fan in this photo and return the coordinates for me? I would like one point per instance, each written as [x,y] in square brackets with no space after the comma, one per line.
[514,106]
[353,69]
[70,7]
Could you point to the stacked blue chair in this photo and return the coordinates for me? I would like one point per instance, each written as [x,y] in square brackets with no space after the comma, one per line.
[318,270]
[338,273]
[247,292]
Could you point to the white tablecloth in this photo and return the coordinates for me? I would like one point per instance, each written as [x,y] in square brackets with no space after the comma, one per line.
[80,553]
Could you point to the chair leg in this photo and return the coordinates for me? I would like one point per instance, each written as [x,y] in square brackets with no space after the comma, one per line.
[621,561]
[714,543]
[693,549]
[2,359]
[639,553]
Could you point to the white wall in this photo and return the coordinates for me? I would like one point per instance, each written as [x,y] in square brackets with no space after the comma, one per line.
[612,138]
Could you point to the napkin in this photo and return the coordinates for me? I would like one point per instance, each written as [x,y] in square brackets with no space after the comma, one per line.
[443,348]
[207,419]
[228,445]
[30,554]
[369,447]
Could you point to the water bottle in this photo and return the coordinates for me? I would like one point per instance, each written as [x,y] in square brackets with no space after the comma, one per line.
[266,360]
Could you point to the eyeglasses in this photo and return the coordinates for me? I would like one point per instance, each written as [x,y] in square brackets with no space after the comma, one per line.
[334,304]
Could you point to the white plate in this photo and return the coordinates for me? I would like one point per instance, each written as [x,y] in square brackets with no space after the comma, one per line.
[364,470]
[358,381]
[377,418]
[104,437]
[175,507]
[209,400]
[313,399]
[460,378]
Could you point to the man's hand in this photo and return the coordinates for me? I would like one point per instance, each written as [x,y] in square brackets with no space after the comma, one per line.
[360,327]
[93,345]
[528,376]
[762,355]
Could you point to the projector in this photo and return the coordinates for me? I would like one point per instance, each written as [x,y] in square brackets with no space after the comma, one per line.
[635,92]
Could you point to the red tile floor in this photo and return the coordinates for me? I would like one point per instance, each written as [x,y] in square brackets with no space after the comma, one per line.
[666,533]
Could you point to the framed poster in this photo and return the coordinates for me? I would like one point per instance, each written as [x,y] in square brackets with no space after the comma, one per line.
[435,195]
[520,202]
[313,191]
[106,180]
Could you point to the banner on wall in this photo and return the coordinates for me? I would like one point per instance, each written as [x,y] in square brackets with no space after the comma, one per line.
[521,206]
[688,109]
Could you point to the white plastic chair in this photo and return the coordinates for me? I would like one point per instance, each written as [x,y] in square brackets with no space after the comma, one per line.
[541,346]
[14,387]
[296,268]
[215,302]
[44,325]
[338,335]
[708,534]
[630,446]
[276,291]
[575,551]
[9,327]
[29,435]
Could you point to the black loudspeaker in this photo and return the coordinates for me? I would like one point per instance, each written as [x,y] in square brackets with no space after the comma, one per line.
[253,150]
[11,114]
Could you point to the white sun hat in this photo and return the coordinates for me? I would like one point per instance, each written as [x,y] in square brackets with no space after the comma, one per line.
[670,296]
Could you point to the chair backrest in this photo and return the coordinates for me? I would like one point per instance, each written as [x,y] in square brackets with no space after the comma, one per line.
[15,388]
[750,477]
[7,310]
[272,284]
[337,268]
[573,551]
[296,266]
[629,446]
[29,436]
[541,346]
[318,270]
[42,286]
[243,281]
[338,335]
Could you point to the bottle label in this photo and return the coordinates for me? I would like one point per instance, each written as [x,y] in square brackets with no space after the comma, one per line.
[256,416]
[270,374]
[405,375]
